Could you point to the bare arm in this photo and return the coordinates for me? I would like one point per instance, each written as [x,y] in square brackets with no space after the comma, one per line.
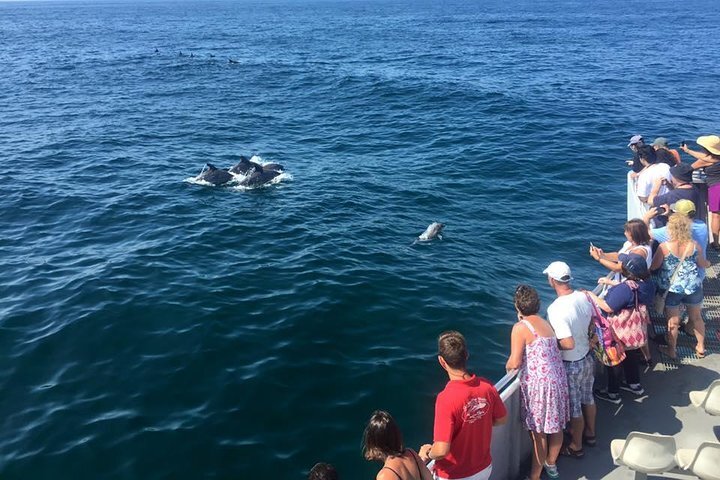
[701,260]
[655,190]
[702,159]
[659,257]
[517,348]
[566,343]
[435,451]
[601,303]
[607,260]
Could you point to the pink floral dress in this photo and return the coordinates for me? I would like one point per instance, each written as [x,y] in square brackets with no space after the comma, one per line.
[545,406]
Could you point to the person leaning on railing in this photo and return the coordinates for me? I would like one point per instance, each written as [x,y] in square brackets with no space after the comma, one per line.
[465,413]
[650,173]
[709,158]
[545,407]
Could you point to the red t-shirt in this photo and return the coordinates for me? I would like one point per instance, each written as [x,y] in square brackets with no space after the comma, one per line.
[464,415]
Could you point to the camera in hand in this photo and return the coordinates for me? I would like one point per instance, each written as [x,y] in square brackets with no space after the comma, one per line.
[682,144]
[661,210]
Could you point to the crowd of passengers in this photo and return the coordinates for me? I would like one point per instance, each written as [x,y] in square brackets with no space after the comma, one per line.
[661,265]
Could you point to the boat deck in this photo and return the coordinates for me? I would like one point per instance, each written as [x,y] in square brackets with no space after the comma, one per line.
[665,408]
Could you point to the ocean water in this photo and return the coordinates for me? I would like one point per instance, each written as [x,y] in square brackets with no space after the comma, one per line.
[152,328]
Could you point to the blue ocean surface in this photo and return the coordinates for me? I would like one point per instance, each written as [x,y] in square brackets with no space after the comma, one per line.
[153,328]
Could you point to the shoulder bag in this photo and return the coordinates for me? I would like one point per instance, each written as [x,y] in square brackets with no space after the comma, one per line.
[607,348]
[630,324]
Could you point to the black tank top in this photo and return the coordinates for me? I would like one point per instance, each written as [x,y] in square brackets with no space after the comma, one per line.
[416,464]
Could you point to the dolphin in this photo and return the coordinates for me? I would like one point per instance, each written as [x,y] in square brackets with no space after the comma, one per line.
[433,230]
[259,178]
[276,167]
[214,175]
[245,166]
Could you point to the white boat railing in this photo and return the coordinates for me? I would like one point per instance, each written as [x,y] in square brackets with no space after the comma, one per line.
[510,446]
[635,208]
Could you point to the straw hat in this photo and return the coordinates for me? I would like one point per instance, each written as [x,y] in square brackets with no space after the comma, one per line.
[710,142]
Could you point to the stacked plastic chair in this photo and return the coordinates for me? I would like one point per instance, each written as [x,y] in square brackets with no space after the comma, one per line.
[704,462]
[708,399]
[645,453]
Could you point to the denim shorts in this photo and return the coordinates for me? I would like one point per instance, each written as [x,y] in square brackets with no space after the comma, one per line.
[674,300]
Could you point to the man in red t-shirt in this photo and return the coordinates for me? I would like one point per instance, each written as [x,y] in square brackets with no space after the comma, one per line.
[465,412]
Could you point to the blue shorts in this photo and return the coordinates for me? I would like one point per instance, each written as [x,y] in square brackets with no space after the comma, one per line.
[695,299]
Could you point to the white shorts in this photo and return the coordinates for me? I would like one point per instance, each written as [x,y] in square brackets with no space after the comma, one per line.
[481,475]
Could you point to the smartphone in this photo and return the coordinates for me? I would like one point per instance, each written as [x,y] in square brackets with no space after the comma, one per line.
[661,210]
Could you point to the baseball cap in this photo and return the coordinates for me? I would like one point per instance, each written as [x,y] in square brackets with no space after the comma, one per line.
[634,264]
[635,139]
[682,172]
[559,271]
[660,142]
[683,206]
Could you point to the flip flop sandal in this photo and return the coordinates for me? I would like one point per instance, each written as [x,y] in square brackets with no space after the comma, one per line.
[569,452]
[590,441]
[699,354]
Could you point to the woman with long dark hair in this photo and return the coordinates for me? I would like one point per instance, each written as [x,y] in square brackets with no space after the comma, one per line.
[383,442]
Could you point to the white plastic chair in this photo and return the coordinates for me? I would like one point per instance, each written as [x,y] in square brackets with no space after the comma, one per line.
[644,453]
[708,399]
[703,462]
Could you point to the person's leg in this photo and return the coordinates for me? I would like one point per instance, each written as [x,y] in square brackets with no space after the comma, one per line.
[577,424]
[715,228]
[613,374]
[698,324]
[589,414]
[587,401]
[577,427]
[539,454]
[630,367]
[673,316]
[555,441]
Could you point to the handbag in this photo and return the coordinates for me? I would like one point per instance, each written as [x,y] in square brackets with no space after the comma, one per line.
[630,323]
[659,304]
[607,349]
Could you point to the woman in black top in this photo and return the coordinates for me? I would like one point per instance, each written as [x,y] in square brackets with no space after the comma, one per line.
[709,157]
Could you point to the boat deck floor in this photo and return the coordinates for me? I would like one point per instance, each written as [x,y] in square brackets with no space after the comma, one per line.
[665,407]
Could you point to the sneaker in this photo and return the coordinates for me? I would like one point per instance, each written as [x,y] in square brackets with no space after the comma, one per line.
[608,397]
[634,388]
[551,471]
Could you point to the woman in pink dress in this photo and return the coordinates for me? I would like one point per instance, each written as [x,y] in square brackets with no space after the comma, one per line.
[545,406]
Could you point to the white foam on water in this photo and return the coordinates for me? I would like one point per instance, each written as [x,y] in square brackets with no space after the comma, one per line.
[280,178]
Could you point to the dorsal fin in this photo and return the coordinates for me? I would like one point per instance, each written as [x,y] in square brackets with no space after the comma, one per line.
[211,166]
